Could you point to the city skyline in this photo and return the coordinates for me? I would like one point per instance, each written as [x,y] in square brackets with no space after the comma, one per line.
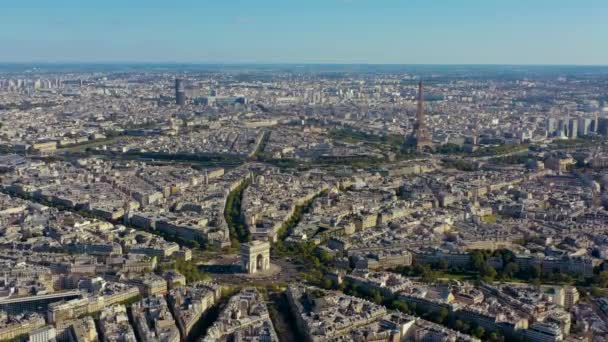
[319,170]
[190,202]
[342,32]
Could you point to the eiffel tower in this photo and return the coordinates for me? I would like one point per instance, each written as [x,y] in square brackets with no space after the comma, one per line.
[420,138]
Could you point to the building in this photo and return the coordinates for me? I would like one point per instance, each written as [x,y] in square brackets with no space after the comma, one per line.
[385,259]
[114,324]
[153,320]
[44,334]
[602,126]
[12,327]
[571,296]
[245,318]
[560,164]
[584,126]
[180,92]
[150,284]
[112,293]
[44,147]
[255,256]
[544,332]
[551,126]
[572,128]
[174,279]
[83,330]
[188,304]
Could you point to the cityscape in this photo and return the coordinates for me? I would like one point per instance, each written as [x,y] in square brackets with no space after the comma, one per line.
[298,198]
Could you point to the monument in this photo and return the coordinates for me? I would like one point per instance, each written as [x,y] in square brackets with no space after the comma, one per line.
[255,256]
[420,137]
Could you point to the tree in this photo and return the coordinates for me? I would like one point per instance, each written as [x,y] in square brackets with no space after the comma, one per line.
[510,269]
[602,279]
[451,237]
[495,337]
[459,325]
[420,269]
[443,264]
[488,272]
[325,257]
[377,296]
[429,277]
[315,261]
[477,260]
[442,315]
[536,271]
[533,272]
[235,243]
[449,148]
[414,308]
[478,332]
[404,270]
[401,306]
[597,292]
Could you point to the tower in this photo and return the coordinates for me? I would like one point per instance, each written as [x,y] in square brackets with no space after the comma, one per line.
[180,92]
[420,137]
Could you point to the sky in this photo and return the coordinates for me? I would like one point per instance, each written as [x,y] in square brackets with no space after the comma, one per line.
[306,31]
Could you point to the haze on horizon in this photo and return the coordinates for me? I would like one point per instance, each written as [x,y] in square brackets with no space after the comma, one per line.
[312,31]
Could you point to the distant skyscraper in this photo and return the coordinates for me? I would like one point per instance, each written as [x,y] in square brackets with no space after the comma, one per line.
[180,92]
[602,126]
[551,126]
[584,126]
[594,125]
[572,128]
[562,129]
[420,137]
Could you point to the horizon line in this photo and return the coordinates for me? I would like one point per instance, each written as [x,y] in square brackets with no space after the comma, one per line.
[117,62]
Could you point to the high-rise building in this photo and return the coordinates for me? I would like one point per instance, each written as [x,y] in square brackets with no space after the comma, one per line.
[602,126]
[180,92]
[594,125]
[584,126]
[572,128]
[562,128]
[551,126]
[420,137]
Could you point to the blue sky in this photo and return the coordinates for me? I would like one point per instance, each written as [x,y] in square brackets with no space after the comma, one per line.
[310,31]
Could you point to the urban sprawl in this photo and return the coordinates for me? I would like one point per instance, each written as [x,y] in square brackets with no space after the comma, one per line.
[296,204]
